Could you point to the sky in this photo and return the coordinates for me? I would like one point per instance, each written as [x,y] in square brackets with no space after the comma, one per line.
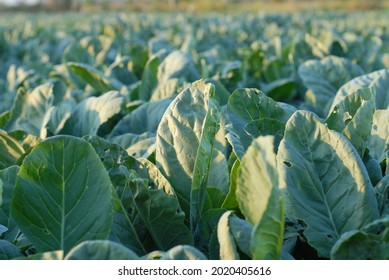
[16,2]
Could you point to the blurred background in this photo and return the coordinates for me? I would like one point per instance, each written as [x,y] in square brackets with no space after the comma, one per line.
[189,5]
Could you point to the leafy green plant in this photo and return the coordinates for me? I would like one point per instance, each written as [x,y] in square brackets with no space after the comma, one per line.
[156,137]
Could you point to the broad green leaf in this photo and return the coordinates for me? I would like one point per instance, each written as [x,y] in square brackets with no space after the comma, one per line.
[183,252]
[10,150]
[186,145]
[7,183]
[228,248]
[8,251]
[169,88]
[137,145]
[177,65]
[369,243]
[94,77]
[324,182]
[62,195]
[253,114]
[100,250]
[29,109]
[259,198]
[379,140]
[145,118]
[323,78]
[57,116]
[161,214]
[91,113]
[353,118]
[203,161]
[379,80]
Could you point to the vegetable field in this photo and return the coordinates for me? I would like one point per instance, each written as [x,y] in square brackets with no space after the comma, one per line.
[182,136]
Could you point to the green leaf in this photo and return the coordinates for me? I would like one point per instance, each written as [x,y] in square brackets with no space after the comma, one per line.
[91,113]
[242,231]
[379,80]
[7,183]
[29,109]
[94,77]
[62,195]
[253,114]
[323,78]
[183,252]
[353,118]
[177,65]
[118,163]
[369,243]
[324,181]
[53,255]
[10,150]
[100,250]
[382,195]
[145,118]
[259,198]
[231,203]
[8,251]
[228,248]
[206,226]
[180,252]
[149,75]
[379,140]
[161,214]
[186,145]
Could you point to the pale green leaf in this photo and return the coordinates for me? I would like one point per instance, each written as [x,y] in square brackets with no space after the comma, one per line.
[253,114]
[323,78]
[186,146]
[379,80]
[353,118]
[228,248]
[91,113]
[29,109]
[379,140]
[324,182]
[183,252]
[10,150]
[369,243]
[100,250]
[259,198]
